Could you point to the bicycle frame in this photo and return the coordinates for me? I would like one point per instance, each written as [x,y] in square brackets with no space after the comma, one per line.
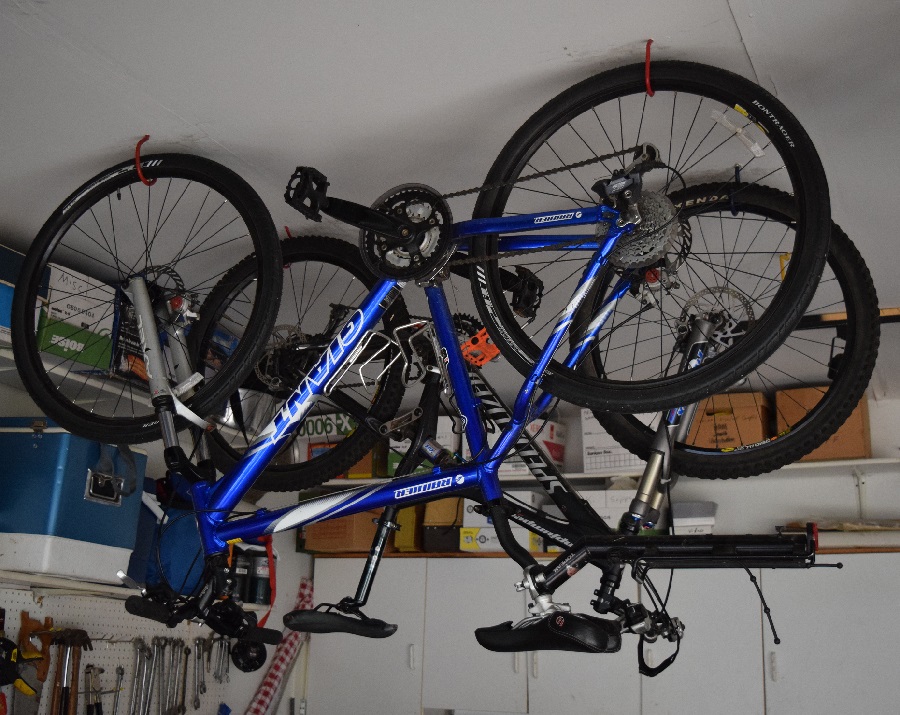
[214,502]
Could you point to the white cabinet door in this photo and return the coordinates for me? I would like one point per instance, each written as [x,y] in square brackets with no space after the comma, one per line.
[563,683]
[462,595]
[352,674]
[719,668]
[839,635]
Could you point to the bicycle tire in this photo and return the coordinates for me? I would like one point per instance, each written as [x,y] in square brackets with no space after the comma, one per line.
[194,220]
[806,352]
[337,260]
[567,121]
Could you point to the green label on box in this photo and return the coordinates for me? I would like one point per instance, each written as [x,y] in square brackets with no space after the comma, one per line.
[74,343]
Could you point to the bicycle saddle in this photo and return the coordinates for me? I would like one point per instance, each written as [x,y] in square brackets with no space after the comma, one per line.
[555,631]
[330,622]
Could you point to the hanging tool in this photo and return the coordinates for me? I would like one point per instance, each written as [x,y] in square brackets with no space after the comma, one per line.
[30,630]
[135,677]
[88,688]
[181,709]
[120,674]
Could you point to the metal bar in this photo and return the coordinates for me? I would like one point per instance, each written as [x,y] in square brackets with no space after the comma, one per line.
[535,221]
[456,367]
[402,491]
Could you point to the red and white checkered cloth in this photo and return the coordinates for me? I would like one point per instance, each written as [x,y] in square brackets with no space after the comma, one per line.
[268,695]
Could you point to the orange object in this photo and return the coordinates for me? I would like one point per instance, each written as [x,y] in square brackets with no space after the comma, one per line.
[29,627]
[650,92]
[479,349]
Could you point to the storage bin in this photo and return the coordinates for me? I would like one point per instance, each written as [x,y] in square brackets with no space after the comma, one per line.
[50,520]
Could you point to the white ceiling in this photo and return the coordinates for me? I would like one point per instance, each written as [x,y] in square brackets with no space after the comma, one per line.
[378,94]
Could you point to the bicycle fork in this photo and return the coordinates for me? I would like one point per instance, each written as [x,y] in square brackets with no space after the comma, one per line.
[645,508]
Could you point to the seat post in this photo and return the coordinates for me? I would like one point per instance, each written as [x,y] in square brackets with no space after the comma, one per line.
[386,524]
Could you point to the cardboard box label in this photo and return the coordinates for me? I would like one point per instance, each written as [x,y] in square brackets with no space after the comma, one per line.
[600,451]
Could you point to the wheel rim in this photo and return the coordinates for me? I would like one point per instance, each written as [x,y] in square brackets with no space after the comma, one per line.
[181,234]
[589,131]
[320,290]
[828,356]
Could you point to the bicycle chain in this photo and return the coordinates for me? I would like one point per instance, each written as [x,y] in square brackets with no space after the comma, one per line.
[537,175]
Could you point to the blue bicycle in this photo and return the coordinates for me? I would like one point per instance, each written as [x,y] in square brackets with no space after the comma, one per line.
[131,319]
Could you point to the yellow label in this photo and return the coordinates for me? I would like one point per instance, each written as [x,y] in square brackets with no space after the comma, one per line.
[784,259]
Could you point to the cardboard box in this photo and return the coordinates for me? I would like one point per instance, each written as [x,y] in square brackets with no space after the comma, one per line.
[698,517]
[601,452]
[78,321]
[441,523]
[551,439]
[444,512]
[347,534]
[484,539]
[372,465]
[731,420]
[409,536]
[851,441]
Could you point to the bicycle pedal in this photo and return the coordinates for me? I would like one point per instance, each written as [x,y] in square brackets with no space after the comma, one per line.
[307,621]
[306,192]
[555,631]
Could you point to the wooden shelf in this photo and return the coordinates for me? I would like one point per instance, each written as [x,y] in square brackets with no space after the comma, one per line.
[598,480]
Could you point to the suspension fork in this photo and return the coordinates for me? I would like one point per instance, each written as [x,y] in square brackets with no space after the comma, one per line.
[644,510]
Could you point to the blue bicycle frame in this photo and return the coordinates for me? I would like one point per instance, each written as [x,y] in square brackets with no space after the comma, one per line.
[215,502]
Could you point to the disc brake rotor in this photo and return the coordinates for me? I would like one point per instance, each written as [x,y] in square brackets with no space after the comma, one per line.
[730,311]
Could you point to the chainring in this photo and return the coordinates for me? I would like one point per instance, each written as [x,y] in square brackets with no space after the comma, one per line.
[428,248]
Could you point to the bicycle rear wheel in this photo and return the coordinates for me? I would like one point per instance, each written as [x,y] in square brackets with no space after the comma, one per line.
[832,352]
[324,281]
[708,125]
[74,335]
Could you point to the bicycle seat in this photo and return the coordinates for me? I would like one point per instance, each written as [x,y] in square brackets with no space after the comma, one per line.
[319,622]
[555,631]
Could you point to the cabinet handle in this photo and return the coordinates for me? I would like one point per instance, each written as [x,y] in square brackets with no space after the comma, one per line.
[412,656]
[773,666]
[515,662]
[534,664]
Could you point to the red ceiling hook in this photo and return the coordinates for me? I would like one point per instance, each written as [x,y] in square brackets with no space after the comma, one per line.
[647,70]
[137,162]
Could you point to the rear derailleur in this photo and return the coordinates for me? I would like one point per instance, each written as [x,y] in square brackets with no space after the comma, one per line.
[214,607]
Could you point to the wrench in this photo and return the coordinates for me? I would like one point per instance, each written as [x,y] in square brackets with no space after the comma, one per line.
[198,668]
[138,661]
[181,709]
[174,674]
[120,674]
[153,658]
[161,645]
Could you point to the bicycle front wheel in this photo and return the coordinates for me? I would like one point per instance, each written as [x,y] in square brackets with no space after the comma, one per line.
[707,125]
[325,281]
[831,354]
[74,334]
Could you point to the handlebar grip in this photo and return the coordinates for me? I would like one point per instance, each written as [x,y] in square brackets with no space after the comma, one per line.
[268,636]
[145,608]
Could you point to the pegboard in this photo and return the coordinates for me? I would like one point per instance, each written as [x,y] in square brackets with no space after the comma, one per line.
[112,631]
